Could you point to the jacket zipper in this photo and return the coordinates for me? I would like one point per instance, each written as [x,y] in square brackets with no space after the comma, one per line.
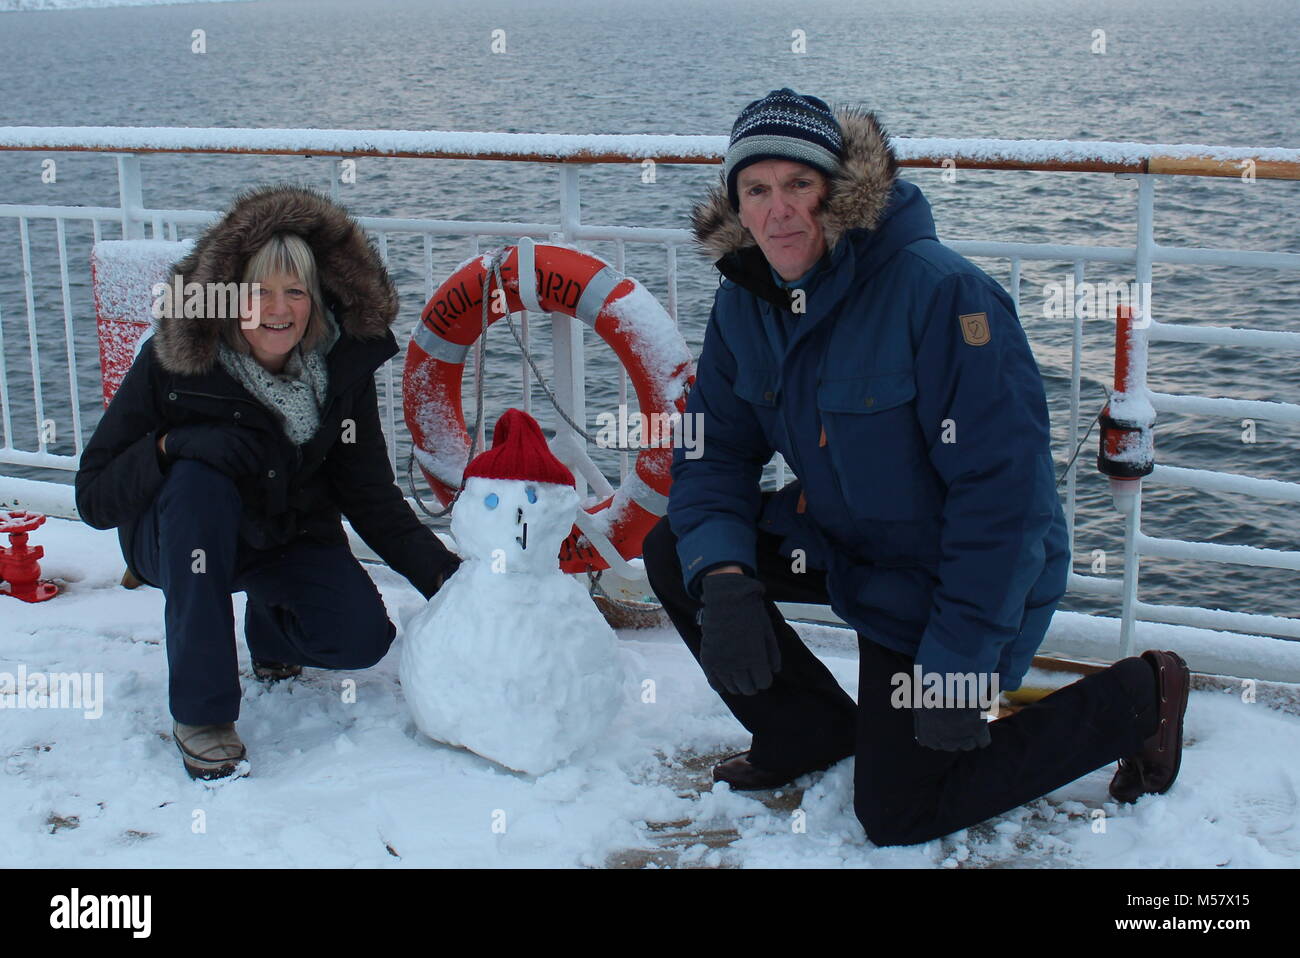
[830,459]
[194,392]
[785,418]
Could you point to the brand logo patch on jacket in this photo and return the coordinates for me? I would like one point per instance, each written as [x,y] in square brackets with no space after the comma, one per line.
[974,328]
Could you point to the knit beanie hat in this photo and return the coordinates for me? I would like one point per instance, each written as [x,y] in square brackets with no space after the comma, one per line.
[783,125]
[519,451]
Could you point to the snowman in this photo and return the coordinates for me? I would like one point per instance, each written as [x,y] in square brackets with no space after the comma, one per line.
[511,659]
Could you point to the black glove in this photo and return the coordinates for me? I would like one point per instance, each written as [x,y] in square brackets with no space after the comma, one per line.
[739,651]
[231,450]
[450,565]
[950,730]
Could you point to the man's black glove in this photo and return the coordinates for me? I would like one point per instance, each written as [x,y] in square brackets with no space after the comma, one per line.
[739,651]
[231,450]
[950,730]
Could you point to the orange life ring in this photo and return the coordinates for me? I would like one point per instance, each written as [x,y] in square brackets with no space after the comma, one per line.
[621,311]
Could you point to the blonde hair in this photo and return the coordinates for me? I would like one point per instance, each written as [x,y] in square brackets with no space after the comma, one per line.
[286,253]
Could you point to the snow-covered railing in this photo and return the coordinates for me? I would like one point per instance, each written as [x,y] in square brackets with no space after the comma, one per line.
[132,219]
[1086,156]
[1140,406]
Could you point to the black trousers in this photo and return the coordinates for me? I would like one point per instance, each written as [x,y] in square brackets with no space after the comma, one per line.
[308,604]
[905,793]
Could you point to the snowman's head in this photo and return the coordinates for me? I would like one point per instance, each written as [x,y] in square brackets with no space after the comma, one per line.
[519,501]
[516,525]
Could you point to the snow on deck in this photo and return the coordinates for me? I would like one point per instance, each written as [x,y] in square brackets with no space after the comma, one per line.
[335,783]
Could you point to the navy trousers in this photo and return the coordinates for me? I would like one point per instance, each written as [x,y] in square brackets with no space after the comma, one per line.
[308,604]
[905,793]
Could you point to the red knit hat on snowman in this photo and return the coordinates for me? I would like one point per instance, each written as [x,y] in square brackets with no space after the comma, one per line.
[519,451]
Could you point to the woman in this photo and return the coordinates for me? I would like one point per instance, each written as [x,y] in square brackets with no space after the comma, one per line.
[232,447]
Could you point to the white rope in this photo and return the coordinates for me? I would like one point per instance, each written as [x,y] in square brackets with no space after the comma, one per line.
[528,296]
[586,522]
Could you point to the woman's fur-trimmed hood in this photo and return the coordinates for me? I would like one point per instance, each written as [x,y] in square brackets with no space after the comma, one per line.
[352,277]
[859,193]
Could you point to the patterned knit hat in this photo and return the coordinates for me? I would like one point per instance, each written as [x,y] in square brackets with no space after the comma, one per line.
[783,126]
[519,451]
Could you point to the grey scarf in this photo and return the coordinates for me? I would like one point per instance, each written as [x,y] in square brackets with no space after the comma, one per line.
[296,394]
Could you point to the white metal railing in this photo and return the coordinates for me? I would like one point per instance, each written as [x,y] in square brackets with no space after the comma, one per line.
[139,222]
[132,219]
[1143,256]
[1136,543]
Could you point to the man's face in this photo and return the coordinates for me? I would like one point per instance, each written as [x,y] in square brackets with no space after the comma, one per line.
[779,200]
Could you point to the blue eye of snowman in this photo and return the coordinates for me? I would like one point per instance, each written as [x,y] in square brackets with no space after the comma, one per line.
[491,500]
[531,493]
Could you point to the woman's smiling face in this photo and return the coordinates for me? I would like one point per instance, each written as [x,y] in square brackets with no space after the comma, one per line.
[275,324]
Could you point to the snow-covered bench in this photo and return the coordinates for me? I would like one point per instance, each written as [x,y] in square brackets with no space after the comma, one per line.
[123,275]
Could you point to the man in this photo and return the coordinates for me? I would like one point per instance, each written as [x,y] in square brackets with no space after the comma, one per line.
[893,376]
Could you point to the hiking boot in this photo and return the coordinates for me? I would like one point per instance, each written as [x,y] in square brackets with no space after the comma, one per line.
[275,671]
[209,751]
[743,776]
[1153,770]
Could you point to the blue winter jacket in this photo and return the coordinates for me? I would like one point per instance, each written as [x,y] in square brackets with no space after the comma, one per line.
[906,400]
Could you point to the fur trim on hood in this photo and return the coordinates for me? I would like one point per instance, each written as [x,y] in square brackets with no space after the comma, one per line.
[859,193]
[352,277]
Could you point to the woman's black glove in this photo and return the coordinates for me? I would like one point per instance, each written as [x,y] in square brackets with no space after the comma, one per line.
[950,730]
[739,651]
[451,564]
[231,450]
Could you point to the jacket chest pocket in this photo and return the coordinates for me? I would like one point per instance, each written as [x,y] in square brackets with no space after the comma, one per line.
[876,447]
[758,387]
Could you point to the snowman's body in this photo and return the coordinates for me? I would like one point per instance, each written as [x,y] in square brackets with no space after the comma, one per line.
[511,659]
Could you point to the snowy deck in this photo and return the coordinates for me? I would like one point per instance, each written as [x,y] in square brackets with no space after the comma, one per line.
[339,784]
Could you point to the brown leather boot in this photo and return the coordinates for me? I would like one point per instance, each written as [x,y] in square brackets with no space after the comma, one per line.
[743,776]
[275,671]
[1153,770]
[209,751]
